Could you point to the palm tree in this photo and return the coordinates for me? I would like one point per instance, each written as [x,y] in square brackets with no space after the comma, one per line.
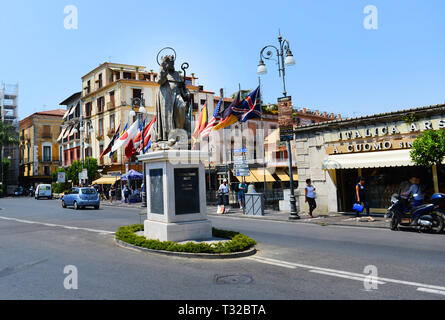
[8,136]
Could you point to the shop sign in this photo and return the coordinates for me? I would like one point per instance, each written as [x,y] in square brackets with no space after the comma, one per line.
[393,129]
[354,147]
[285,118]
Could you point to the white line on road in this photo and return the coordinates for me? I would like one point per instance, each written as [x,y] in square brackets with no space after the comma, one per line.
[57,225]
[352,274]
[362,278]
[431,291]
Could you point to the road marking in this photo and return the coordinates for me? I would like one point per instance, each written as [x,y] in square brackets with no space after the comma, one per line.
[57,225]
[352,274]
[362,278]
[431,291]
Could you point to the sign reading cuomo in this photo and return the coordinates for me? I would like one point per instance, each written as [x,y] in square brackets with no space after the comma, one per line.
[285,118]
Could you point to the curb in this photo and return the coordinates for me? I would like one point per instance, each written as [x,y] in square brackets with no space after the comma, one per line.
[233,255]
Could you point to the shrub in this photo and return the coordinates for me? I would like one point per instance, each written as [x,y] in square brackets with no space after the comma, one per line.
[239,242]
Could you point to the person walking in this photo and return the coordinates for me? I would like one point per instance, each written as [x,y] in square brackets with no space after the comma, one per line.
[360,197]
[242,189]
[112,192]
[223,200]
[310,195]
[126,194]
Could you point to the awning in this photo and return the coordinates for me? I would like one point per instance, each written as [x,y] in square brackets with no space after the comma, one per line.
[282,175]
[259,172]
[73,108]
[66,114]
[390,158]
[106,180]
[61,134]
[67,131]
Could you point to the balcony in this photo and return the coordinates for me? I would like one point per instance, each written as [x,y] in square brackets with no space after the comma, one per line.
[100,136]
[111,132]
[110,105]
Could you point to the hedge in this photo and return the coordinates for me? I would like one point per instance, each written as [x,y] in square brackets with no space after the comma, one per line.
[239,241]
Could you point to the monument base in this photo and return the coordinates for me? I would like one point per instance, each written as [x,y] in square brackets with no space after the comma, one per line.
[178,231]
[176,196]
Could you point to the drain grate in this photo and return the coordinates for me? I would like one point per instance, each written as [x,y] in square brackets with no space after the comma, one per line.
[234,279]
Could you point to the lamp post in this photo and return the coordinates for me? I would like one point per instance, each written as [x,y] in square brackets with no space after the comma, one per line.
[84,145]
[284,58]
[142,113]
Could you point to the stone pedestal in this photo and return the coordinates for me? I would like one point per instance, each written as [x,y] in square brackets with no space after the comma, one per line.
[176,196]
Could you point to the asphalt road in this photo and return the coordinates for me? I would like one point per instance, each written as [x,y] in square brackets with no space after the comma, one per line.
[297,261]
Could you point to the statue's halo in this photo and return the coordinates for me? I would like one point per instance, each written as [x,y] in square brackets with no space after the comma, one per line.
[165,49]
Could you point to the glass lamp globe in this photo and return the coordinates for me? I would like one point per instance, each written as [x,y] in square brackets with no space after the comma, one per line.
[261,68]
[290,60]
[132,113]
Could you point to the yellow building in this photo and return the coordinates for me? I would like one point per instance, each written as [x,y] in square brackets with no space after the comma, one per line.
[39,150]
[107,95]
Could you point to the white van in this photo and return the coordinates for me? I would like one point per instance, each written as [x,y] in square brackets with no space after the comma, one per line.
[44,191]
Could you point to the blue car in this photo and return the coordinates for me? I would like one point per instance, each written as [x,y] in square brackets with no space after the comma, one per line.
[81,198]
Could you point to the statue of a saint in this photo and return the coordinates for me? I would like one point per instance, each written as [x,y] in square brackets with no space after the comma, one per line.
[171,104]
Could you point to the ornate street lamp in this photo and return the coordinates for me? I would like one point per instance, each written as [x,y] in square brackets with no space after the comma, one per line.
[142,112]
[284,58]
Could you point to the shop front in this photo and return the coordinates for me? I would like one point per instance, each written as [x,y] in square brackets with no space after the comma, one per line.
[335,154]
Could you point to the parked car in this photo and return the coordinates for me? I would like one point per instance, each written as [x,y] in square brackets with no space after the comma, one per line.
[81,198]
[18,192]
[44,191]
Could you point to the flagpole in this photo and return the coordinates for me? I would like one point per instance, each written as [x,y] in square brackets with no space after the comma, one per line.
[208,144]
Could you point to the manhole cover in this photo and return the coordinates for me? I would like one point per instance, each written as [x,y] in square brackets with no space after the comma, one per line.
[234,279]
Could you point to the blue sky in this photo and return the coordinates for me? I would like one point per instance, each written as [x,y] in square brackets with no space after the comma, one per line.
[340,66]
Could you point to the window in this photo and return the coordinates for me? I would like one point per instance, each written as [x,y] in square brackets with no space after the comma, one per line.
[101,127]
[137,93]
[99,84]
[100,104]
[112,122]
[46,170]
[88,86]
[77,112]
[203,102]
[46,154]
[46,132]
[88,109]
[101,149]
[112,98]
[127,75]
[78,154]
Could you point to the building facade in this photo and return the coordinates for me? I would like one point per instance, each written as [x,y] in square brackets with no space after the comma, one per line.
[9,114]
[69,138]
[334,154]
[39,150]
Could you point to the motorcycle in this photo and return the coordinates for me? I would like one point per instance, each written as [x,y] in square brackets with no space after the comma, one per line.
[431,216]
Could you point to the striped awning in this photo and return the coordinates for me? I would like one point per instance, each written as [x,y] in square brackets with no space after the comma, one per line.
[390,158]
[66,114]
[262,175]
[73,108]
[61,134]
[67,131]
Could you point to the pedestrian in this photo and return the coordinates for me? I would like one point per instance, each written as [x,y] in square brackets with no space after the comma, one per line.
[310,195]
[416,194]
[251,188]
[223,199]
[112,192]
[126,192]
[360,197]
[242,188]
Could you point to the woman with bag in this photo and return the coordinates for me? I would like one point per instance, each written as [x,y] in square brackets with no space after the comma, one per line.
[309,192]
[360,197]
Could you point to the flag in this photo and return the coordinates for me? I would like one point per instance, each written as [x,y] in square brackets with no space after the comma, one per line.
[130,150]
[110,145]
[213,121]
[123,130]
[231,114]
[147,134]
[126,136]
[253,104]
[201,124]
[137,140]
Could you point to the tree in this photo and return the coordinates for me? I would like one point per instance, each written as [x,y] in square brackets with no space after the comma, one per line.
[429,148]
[73,171]
[8,136]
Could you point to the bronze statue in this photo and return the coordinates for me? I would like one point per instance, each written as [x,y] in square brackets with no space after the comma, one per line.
[171,105]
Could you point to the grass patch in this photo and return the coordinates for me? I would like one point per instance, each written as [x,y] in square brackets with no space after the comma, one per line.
[238,241]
